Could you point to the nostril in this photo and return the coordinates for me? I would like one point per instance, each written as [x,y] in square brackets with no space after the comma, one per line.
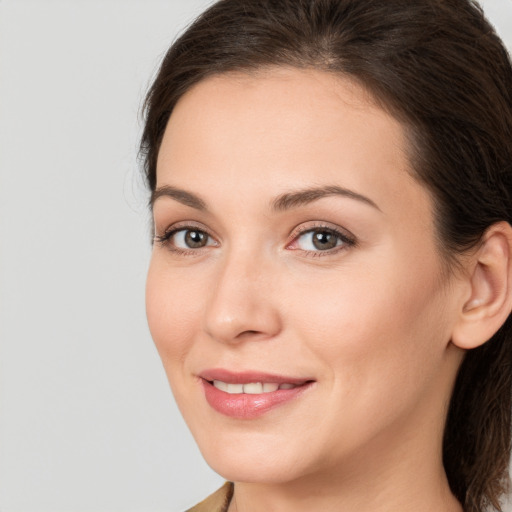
[248,334]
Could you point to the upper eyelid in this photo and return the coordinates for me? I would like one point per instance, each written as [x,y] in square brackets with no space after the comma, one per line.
[184,225]
[305,228]
[300,228]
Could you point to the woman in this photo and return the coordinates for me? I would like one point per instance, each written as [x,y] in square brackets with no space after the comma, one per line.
[330,285]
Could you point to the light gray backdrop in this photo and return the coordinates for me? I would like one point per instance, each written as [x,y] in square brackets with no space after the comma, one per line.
[87,422]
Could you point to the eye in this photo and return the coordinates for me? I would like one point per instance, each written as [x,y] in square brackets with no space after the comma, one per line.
[321,239]
[185,239]
[318,240]
[190,238]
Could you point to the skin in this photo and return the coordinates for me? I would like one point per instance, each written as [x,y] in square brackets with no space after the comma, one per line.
[370,322]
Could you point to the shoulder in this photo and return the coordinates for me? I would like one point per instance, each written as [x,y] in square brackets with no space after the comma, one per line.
[216,502]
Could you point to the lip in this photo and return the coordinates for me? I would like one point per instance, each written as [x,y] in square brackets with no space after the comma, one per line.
[247,406]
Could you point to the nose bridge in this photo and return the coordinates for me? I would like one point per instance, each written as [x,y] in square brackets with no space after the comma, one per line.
[240,302]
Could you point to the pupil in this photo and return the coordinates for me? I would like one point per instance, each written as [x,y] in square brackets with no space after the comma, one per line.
[195,239]
[324,240]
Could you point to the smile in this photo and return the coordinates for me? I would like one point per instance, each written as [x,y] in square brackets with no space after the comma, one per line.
[252,388]
[249,395]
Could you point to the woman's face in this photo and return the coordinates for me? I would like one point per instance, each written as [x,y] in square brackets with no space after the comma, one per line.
[295,265]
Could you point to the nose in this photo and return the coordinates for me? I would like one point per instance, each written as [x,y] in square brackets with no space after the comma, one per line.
[241,303]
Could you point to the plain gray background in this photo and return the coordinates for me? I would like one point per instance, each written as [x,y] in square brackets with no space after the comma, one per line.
[87,422]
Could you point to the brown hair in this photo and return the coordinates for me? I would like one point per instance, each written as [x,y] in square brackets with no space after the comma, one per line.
[439,67]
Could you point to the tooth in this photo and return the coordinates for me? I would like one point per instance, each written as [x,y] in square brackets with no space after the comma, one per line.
[220,385]
[253,388]
[234,389]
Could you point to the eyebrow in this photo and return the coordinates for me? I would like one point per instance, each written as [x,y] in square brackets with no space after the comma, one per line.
[283,202]
[308,195]
[182,196]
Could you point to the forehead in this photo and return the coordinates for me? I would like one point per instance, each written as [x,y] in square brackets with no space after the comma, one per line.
[264,132]
[295,102]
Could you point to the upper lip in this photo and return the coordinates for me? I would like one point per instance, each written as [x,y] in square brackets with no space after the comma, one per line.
[245,377]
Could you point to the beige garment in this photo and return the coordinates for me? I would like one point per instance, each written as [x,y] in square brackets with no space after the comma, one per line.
[216,502]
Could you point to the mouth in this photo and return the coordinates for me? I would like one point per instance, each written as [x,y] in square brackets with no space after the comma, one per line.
[249,395]
[252,388]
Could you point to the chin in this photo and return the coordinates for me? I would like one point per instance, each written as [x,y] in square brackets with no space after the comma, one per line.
[253,471]
[256,460]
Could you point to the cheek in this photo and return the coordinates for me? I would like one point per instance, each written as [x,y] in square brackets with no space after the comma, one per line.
[172,311]
[374,329]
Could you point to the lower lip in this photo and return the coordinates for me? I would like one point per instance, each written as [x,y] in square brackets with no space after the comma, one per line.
[245,406]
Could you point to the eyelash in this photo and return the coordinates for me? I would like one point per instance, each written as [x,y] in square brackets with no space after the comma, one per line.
[165,239]
[346,239]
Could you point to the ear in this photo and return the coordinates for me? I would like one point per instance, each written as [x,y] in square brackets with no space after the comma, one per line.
[488,302]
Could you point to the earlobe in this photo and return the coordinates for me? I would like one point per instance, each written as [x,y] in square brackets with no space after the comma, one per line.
[490,281]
